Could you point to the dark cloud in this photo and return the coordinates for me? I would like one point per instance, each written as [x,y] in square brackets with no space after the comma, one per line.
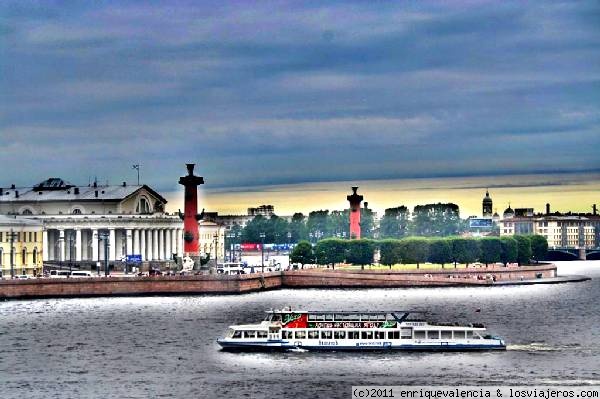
[260,93]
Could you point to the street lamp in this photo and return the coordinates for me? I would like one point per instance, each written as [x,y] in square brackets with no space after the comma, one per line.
[104,236]
[289,245]
[216,237]
[231,237]
[70,240]
[262,252]
[12,253]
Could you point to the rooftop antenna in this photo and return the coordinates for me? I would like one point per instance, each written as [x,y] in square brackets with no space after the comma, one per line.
[137,167]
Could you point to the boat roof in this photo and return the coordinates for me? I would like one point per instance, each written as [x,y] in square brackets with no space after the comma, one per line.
[342,311]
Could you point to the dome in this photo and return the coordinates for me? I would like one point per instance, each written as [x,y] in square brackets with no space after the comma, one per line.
[509,211]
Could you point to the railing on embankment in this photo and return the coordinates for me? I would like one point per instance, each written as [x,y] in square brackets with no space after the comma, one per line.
[219,284]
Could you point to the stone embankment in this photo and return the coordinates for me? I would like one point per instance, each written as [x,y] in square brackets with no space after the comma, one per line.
[316,278]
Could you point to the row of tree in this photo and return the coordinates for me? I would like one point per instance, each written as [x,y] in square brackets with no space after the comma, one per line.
[519,248]
[426,220]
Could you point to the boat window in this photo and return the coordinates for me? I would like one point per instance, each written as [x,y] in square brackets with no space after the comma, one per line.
[230,332]
[329,317]
[339,334]
[459,334]
[389,316]
[320,317]
[366,334]
[268,317]
[446,334]
[433,334]
[249,334]
[364,317]
[393,334]
[406,333]
[379,334]
[419,334]
[287,334]
[311,317]
[353,334]
[381,317]
[313,334]
[326,334]
[469,334]
[261,334]
[237,334]
[300,334]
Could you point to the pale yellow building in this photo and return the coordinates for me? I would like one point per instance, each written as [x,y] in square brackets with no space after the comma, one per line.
[212,237]
[26,243]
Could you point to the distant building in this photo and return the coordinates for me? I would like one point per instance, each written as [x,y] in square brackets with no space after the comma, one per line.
[25,243]
[487,205]
[212,236]
[263,210]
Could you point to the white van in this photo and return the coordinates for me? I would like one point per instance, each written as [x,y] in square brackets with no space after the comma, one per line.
[59,273]
[80,273]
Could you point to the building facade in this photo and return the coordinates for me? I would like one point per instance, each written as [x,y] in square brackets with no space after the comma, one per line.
[22,237]
[79,220]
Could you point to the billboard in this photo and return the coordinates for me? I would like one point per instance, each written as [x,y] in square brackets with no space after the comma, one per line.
[480,223]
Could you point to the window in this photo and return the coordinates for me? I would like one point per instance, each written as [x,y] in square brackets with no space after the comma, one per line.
[143,206]
[237,334]
[1,236]
[1,256]
[353,334]
[433,334]
[469,334]
[339,334]
[406,333]
[393,334]
[261,334]
[419,334]
[249,334]
[76,211]
[459,335]
[30,236]
[326,334]
[328,317]
[26,212]
[313,334]
[379,334]
[35,256]
[366,334]
[301,334]
[446,334]
[287,334]
[24,256]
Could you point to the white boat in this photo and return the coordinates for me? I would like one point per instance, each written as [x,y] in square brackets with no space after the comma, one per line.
[356,330]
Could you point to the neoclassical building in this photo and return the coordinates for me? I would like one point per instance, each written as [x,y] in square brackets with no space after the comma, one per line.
[78,220]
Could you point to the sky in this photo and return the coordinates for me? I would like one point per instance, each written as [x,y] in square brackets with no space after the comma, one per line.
[282,97]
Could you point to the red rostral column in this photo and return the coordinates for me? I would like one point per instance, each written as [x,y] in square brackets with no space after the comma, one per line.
[355,201]
[190,214]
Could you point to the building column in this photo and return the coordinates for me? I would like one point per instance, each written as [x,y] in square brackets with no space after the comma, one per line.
[61,245]
[112,245]
[142,234]
[149,245]
[168,244]
[180,242]
[78,245]
[136,242]
[173,235]
[161,244]
[129,245]
[45,245]
[95,252]
[155,244]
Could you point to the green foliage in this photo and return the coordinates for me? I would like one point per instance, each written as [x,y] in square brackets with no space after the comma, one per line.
[338,224]
[435,220]
[360,252]
[523,249]
[302,253]
[491,250]
[330,251]
[440,251]
[367,223]
[464,250]
[414,250]
[388,250]
[509,250]
[539,247]
[298,228]
[275,229]
[394,222]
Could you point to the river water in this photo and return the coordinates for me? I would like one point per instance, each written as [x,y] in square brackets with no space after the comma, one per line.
[164,347]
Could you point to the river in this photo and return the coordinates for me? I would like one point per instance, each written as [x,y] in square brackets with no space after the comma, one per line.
[164,347]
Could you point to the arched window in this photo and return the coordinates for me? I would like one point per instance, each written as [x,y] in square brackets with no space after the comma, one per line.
[34,254]
[1,256]
[26,212]
[143,205]
[76,211]
[24,256]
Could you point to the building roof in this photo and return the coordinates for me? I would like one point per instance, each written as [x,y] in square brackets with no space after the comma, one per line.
[56,189]
[14,221]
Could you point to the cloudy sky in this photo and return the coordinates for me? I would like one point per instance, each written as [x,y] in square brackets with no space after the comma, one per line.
[284,93]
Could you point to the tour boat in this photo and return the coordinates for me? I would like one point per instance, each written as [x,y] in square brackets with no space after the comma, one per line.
[368,330]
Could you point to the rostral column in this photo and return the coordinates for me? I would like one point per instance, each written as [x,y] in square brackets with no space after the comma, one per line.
[191,246]
[355,201]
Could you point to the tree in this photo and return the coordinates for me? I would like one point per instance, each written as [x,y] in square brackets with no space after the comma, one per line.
[330,251]
[435,220]
[491,250]
[367,222]
[464,250]
[388,250]
[302,253]
[394,222]
[414,250]
[440,251]
[337,224]
[539,247]
[509,250]
[523,249]
[298,228]
[317,223]
[360,252]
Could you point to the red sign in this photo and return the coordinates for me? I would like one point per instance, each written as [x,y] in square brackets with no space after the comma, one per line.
[250,247]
